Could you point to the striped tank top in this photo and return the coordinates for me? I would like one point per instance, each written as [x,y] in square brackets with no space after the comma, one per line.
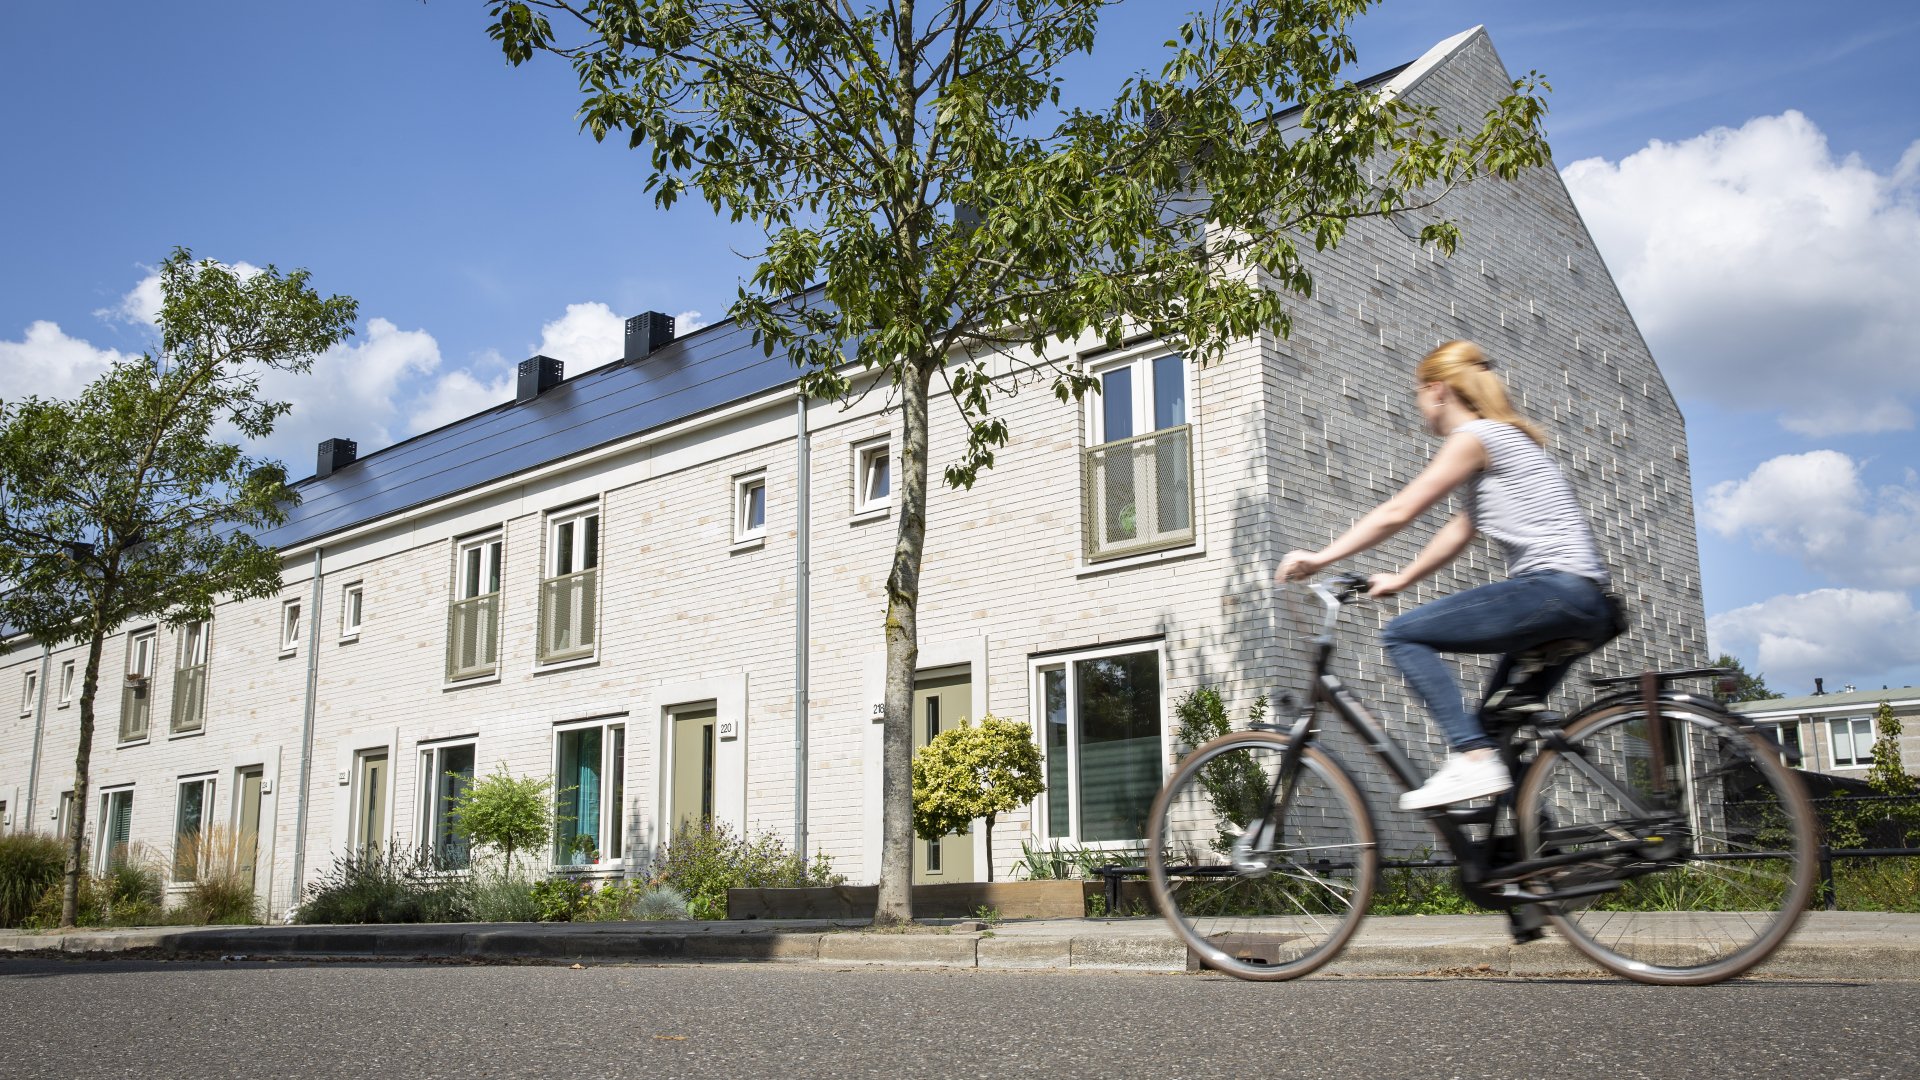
[1524,503]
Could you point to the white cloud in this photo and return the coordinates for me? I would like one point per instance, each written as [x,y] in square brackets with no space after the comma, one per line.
[141,305]
[1841,635]
[687,322]
[462,393]
[1814,507]
[354,391]
[49,364]
[588,336]
[1766,273]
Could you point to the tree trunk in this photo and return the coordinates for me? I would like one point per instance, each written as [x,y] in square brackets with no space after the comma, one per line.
[894,903]
[989,849]
[82,759]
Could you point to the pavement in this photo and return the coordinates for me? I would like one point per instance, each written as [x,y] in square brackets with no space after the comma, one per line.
[1848,945]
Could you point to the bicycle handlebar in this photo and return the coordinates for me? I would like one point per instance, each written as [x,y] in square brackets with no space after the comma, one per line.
[1336,591]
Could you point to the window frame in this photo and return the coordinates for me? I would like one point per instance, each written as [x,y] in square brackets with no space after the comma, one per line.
[864,453]
[428,795]
[1141,361]
[353,596]
[69,675]
[1784,734]
[1037,667]
[745,533]
[192,642]
[488,568]
[29,691]
[610,836]
[103,850]
[1854,760]
[143,646]
[292,617]
[584,546]
[204,781]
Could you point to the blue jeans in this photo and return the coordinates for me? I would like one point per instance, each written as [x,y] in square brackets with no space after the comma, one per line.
[1504,617]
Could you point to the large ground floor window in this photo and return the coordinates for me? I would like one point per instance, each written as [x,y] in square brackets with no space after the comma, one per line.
[446,771]
[590,793]
[1102,720]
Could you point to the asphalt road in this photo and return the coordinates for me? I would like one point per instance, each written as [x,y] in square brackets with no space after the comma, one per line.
[81,1019]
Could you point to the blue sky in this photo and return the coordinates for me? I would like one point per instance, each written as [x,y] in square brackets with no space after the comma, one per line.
[1748,169]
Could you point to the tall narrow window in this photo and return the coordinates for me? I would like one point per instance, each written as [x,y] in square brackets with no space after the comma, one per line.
[136,701]
[446,772]
[69,677]
[1138,466]
[350,603]
[473,620]
[116,827]
[290,626]
[590,787]
[63,815]
[1103,744]
[872,477]
[569,590]
[29,692]
[193,846]
[190,680]
[749,508]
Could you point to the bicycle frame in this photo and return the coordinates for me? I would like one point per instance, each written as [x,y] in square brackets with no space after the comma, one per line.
[1487,883]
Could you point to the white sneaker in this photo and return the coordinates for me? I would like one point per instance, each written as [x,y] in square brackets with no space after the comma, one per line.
[1463,777]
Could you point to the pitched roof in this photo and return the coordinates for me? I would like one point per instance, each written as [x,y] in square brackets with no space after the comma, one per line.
[1861,700]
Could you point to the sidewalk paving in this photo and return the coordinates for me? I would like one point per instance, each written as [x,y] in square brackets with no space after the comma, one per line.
[1828,945]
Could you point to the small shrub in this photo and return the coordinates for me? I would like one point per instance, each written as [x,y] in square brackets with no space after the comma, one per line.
[385,885]
[704,860]
[560,899]
[660,902]
[30,864]
[220,893]
[504,813]
[1420,890]
[501,897]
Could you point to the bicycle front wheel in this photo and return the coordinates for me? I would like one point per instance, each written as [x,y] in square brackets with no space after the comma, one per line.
[1257,899]
[1717,872]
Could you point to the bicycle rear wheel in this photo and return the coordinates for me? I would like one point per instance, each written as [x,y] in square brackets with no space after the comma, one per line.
[1288,899]
[1704,894]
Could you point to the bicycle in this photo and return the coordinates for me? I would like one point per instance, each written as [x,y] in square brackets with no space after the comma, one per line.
[1659,833]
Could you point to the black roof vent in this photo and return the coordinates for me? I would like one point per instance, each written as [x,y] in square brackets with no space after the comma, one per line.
[646,332]
[538,375]
[335,454]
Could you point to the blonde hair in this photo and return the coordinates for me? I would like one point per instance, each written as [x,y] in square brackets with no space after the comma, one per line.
[1464,368]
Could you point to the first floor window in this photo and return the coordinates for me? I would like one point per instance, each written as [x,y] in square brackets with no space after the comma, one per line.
[1103,743]
[192,846]
[446,772]
[872,477]
[290,626]
[67,679]
[29,690]
[590,793]
[1852,742]
[116,827]
[190,679]
[570,587]
[473,619]
[136,701]
[1785,734]
[350,598]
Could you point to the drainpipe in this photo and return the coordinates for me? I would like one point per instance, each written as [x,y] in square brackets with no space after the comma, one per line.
[306,739]
[39,725]
[801,585]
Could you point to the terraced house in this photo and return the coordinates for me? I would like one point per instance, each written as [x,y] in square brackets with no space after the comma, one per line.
[660,581]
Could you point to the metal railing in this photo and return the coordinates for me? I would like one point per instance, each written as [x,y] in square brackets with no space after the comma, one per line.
[135,708]
[189,698]
[1138,494]
[568,619]
[473,637]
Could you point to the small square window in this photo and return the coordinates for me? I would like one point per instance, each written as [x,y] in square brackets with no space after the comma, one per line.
[350,611]
[872,477]
[290,613]
[750,508]
[68,676]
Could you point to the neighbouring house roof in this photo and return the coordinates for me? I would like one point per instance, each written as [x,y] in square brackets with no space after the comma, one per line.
[1855,702]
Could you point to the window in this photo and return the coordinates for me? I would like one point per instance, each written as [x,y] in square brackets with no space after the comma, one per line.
[68,670]
[569,588]
[446,772]
[590,793]
[63,814]
[473,620]
[1103,743]
[116,827]
[1786,735]
[136,702]
[1138,464]
[872,477]
[190,680]
[750,508]
[192,845]
[29,691]
[1852,742]
[350,599]
[290,612]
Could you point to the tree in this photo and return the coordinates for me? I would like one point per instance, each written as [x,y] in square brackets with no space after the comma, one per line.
[1234,782]
[504,812]
[931,210]
[1746,687]
[122,504]
[967,773]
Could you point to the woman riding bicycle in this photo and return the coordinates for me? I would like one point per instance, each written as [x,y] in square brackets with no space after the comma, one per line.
[1517,495]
